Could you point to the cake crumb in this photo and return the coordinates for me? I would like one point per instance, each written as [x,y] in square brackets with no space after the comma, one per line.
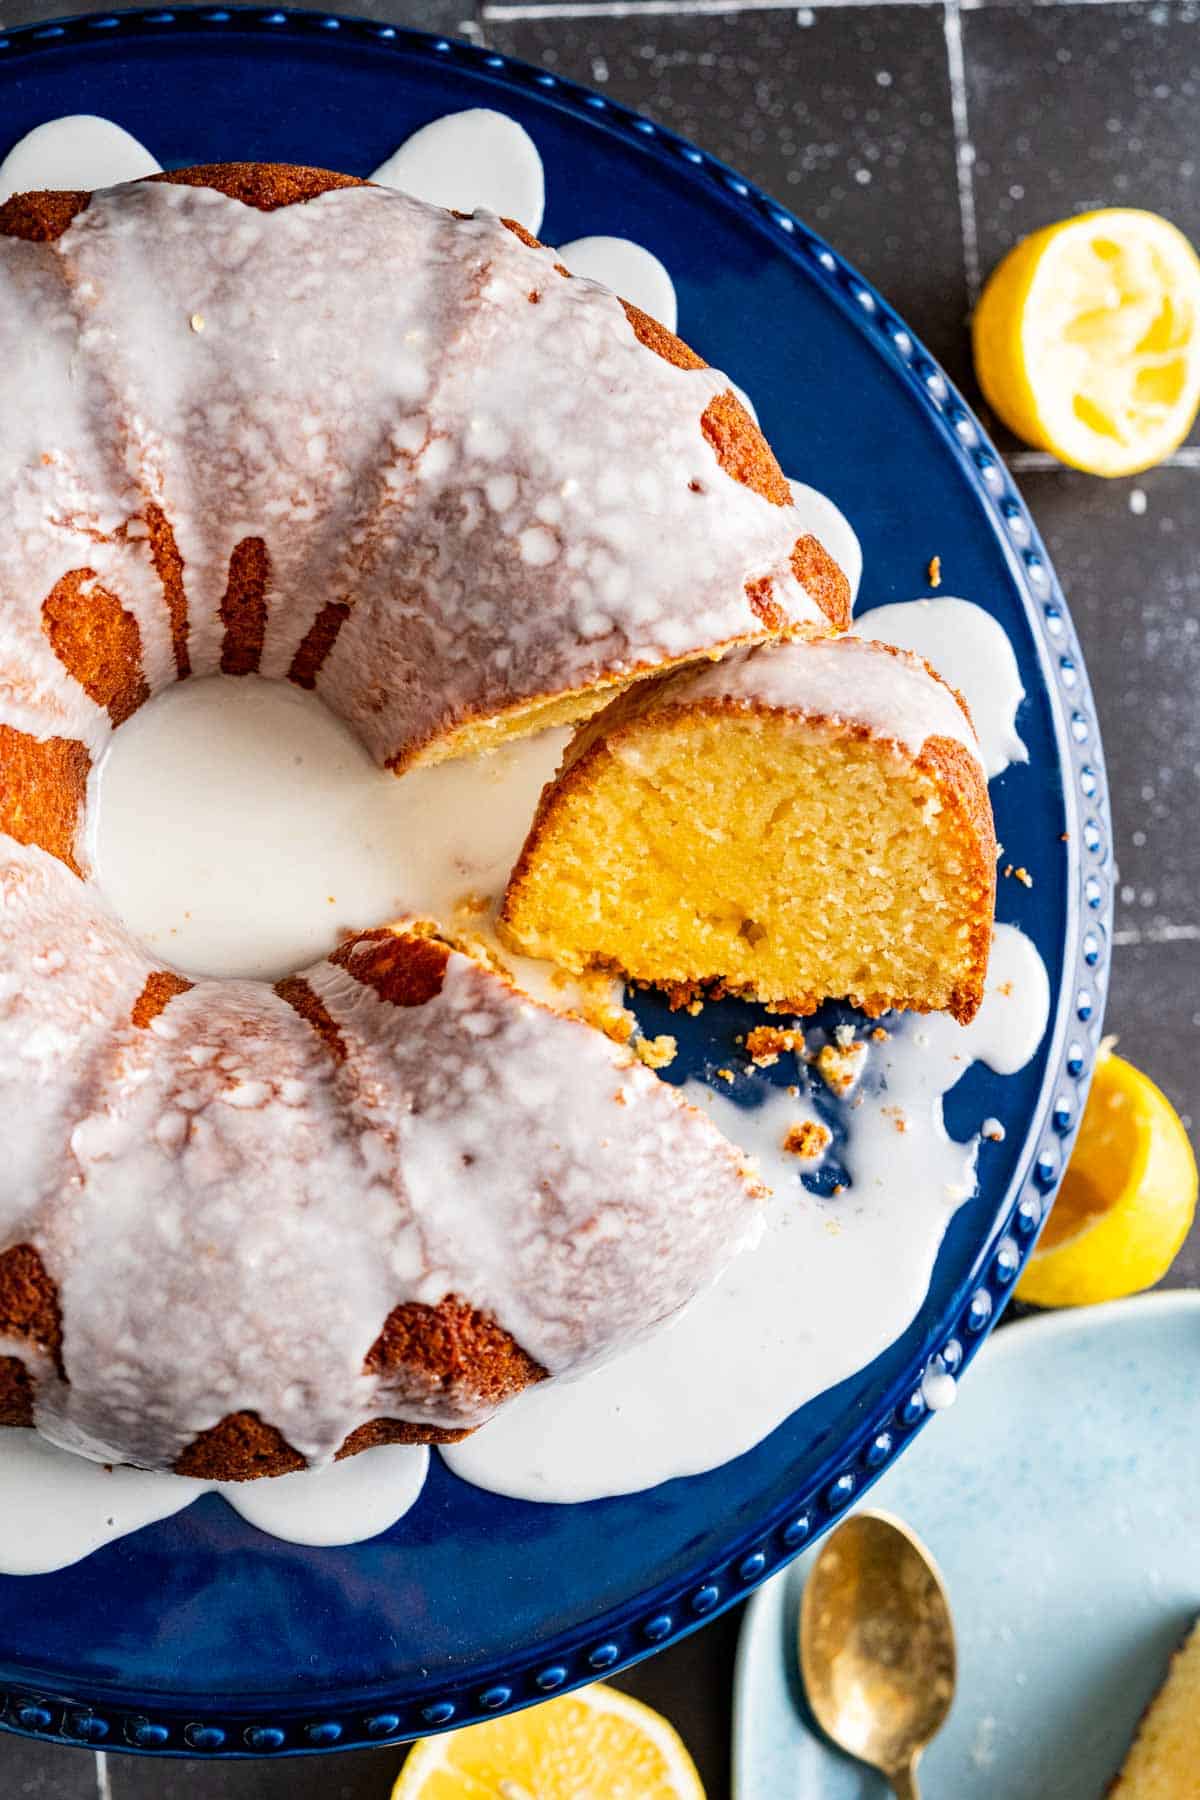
[840,1066]
[879,1035]
[197,321]
[794,1093]
[767,1043]
[726,1075]
[935,571]
[472,905]
[613,1020]
[1022,875]
[619,1098]
[993,1130]
[843,1036]
[808,1140]
[897,1115]
[657,1052]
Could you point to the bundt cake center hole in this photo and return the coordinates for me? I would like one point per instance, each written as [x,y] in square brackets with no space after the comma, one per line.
[241,830]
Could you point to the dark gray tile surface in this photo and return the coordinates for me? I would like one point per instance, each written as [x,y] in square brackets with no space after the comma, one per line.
[362,1775]
[1128,553]
[455,18]
[1072,107]
[843,114]
[30,1771]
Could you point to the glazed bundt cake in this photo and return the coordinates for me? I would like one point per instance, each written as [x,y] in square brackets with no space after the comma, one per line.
[805,822]
[268,419]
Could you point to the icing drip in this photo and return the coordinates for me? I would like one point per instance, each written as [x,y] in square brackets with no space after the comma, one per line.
[971,651]
[82,151]
[832,1283]
[476,158]
[845,680]
[631,271]
[58,1508]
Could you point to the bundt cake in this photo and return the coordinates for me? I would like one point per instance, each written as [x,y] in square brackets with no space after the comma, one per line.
[269,419]
[797,823]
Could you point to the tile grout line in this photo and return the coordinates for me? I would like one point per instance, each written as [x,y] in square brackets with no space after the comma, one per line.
[502,13]
[513,11]
[103,1778]
[964,150]
[1133,935]
[1034,461]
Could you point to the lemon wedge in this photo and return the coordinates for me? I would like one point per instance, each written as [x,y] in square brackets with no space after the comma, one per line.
[595,1742]
[1087,340]
[1127,1199]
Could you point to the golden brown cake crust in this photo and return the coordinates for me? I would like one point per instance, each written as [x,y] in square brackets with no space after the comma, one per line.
[28,1302]
[43,785]
[16,1393]
[162,985]
[97,641]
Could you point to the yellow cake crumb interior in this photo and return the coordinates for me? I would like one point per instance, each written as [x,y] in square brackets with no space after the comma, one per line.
[793,864]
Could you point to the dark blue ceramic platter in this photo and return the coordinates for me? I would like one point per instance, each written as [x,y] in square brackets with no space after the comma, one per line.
[202,1635]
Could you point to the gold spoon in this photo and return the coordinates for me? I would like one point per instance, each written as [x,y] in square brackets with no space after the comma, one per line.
[877,1646]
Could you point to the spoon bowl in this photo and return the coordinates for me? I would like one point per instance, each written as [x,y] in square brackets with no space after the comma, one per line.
[877,1648]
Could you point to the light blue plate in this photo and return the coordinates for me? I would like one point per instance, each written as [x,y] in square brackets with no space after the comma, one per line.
[1061,1498]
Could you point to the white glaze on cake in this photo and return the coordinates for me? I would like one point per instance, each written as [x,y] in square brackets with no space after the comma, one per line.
[81,151]
[470,159]
[969,649]
[229,1215]
[514,500]
[844,680]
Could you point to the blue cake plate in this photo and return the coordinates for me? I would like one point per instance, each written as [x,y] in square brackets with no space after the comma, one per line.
[200,1634]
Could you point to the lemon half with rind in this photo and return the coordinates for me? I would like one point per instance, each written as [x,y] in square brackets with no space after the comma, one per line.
[594,1742]
[1087,340]
[1127,1199]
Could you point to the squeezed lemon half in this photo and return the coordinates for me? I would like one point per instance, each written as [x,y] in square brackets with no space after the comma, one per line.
[1127,1199]
[1087,340]
[595,1742]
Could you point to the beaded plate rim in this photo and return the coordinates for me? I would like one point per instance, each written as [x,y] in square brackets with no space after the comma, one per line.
[294,1729]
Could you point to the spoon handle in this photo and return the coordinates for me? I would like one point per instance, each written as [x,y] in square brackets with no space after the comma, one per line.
[904,1782]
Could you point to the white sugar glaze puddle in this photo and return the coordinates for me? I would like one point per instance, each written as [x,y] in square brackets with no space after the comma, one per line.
[56,1508]
[246,889]
[472,159]
[80,152]
[970,651]
[629,270]
[291,836]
